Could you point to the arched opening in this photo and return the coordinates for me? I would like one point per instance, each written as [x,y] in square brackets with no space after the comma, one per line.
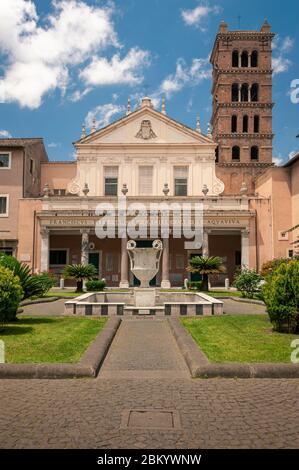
[244,59]
[244,92]
[254,59]
[245,124]
[254,153]
[256,124]
[236,153]
[234,123]
[235,59]
[254,92]
[217,155]
[235,92]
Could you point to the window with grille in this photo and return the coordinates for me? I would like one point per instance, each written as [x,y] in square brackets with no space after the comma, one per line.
[5,160]
[111,180]
[58,257]
[145,180]
[3,206]
[181,181]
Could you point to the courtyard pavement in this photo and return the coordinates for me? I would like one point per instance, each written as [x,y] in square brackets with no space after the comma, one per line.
[145,398]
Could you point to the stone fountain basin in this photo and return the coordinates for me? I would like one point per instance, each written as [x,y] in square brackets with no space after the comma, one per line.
[124,303]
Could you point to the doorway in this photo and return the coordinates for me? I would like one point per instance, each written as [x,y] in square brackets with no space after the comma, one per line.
[94,258]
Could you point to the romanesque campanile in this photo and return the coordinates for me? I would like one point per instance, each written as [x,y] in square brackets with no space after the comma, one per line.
[242,105]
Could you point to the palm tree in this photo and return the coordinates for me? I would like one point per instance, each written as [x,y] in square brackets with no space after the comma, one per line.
[205,265]
[79,272]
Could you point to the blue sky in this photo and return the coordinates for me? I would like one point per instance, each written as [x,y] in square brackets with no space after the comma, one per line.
[64,62]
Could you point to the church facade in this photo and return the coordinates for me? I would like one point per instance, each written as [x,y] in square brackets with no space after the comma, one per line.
[49,211]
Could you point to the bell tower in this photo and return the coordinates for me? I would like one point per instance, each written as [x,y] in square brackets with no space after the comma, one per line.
[242,104]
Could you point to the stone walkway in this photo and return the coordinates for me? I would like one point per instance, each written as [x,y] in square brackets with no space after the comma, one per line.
[144,348]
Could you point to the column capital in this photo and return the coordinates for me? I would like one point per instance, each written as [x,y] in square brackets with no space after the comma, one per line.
[245,232]
[85,231]
[45,231]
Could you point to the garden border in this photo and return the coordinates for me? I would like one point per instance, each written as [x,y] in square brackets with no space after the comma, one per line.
[88,366]
[200,366]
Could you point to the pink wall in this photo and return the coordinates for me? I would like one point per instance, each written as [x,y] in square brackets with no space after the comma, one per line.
[57,175]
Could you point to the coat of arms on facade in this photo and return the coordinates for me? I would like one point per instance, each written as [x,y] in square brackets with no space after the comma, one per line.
[146,132]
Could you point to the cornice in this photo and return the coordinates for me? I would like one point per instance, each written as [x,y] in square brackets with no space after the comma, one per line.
[242,71]
[244,165]
[245,136]
[245,104]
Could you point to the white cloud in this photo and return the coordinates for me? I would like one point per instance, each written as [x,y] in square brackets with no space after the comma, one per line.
[78,95]
[127,70]
[5,134]
[287,44]
[103,114]
[196,16]
[278,161]
[39,56]
[280,63]
[197,72]
[54,145]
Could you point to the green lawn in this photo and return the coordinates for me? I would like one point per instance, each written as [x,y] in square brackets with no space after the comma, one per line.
[62,293]
[49,339]
[240,338]
[224,293]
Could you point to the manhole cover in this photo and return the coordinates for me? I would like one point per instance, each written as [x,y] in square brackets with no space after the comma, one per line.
[150,419]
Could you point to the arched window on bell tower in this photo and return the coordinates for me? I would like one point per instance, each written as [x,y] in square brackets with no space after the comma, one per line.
[254,153]
[234,126]
[245,124]
[244,92]
[254,59]
[256,124]
[235,92]
[244,59]
[235,59]
[254,93]
[236,153]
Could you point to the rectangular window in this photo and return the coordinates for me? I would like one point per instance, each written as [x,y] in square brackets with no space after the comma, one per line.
[3,206]
[145,180]
[181,181]
[58,257]
[109,262]
[5,160]
[111,180]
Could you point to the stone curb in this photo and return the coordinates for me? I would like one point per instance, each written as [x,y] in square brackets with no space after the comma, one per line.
[45,300]
[88,366]
[200,366]
[248,301]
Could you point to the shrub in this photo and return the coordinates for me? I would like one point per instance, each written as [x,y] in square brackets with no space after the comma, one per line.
[194,285]
[11,294]
[31,285]
[46,281]
[270,266]
[248,282]
[95,285]
[79,272]
[281,295]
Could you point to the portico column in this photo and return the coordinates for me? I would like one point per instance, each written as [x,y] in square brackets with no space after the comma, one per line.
[245,248]
[44,260]
[84,246]
[205,243]
[165,283]
[124,265]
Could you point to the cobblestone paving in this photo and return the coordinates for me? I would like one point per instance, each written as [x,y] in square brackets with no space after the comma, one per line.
[87,413]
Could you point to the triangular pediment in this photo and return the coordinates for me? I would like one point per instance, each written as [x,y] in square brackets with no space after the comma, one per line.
[145,126]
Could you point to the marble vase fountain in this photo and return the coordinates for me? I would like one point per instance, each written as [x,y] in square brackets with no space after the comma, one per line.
[144,264]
